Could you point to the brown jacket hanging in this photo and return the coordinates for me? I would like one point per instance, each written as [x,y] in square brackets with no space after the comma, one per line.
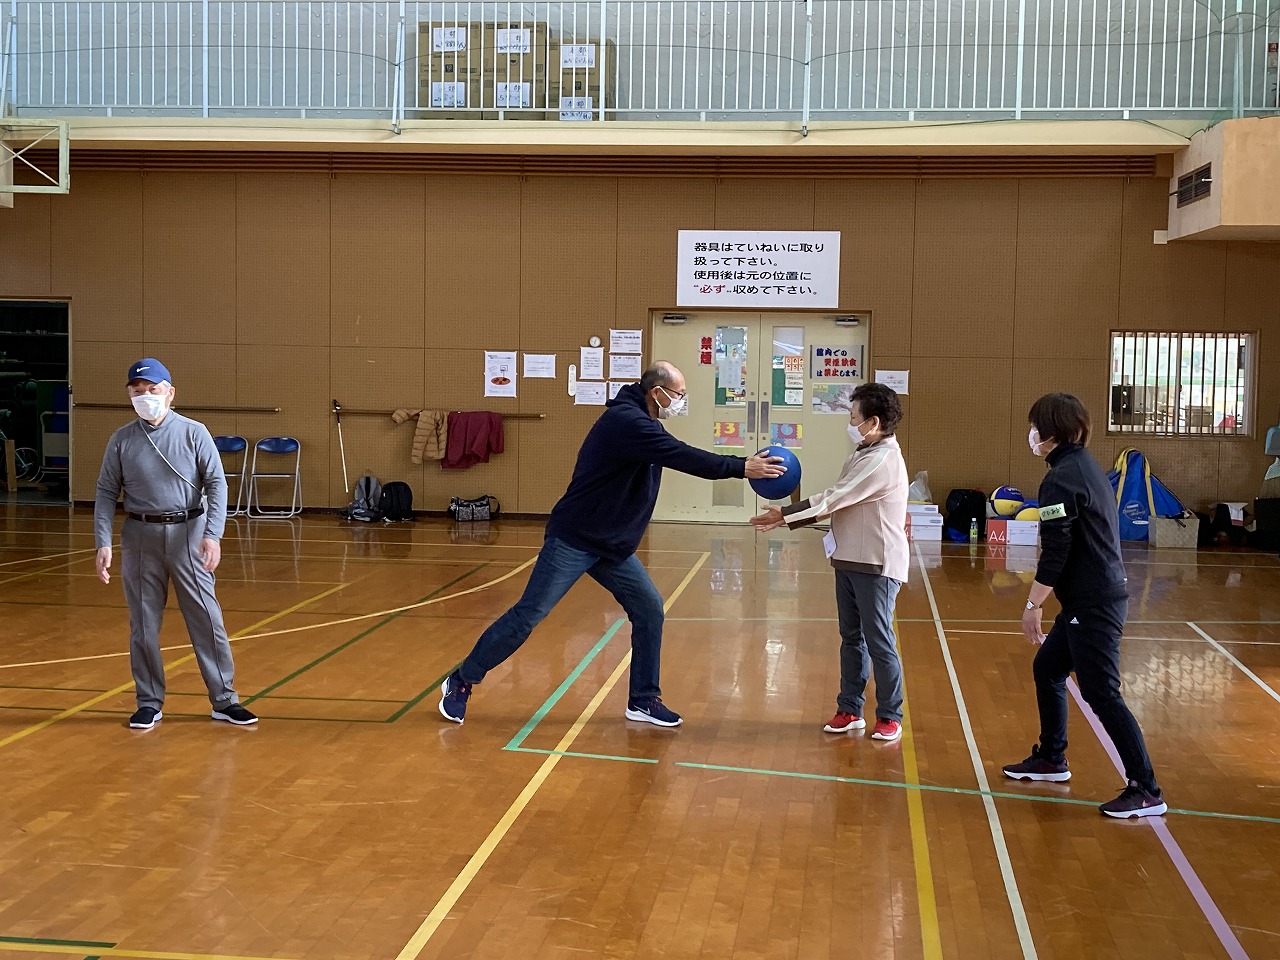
[431,437]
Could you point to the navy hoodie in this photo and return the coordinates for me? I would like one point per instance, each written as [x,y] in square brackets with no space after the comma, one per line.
[615,482]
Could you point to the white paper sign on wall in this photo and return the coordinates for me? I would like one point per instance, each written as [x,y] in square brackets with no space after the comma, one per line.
[758,268]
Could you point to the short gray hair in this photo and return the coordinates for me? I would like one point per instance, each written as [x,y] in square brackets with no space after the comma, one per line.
[660,374]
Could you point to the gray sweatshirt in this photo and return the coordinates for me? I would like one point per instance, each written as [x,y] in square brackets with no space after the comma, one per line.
[131,463]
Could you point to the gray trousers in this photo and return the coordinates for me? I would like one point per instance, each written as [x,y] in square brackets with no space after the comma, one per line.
[152,555]
[865,605]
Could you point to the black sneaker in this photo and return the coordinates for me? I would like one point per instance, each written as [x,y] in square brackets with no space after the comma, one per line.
[234,713]
[652,710]
[145,718]
[1135,802]
[1036,767]
[454,694]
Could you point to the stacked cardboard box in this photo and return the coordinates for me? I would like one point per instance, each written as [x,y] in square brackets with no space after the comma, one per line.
[483,70]
[924,522]
[470,71]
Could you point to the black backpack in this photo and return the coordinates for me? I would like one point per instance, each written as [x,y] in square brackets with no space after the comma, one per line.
[366,505]
[964,506]
[397,501]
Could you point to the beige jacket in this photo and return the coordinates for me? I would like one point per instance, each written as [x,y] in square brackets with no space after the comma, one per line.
[431,438]
[868,511]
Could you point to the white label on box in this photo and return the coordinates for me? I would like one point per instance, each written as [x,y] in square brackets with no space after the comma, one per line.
[513,94]
[513,41]
[577,56]
[1013,532]
[922,508]
[449,39]
[448,94]
[576,108]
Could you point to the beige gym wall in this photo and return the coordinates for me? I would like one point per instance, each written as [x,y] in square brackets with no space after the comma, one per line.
[382,290]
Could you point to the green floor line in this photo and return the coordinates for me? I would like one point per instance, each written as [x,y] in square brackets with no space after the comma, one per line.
[961,791]
[42,941]
[357,638]
[422,696]
[585,756]
[560,691]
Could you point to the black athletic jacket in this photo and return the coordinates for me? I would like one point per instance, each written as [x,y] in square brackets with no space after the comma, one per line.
[615,482]
[1079,531]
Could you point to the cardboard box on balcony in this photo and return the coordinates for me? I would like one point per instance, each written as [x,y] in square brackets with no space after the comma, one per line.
[483,70]
[583,72]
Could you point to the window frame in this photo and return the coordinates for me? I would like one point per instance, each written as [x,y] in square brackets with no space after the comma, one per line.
[1162,411]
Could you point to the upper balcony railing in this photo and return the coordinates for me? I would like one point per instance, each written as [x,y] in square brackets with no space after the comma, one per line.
[793,60]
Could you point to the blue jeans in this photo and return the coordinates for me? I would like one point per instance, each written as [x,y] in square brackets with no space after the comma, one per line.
[865,605]
[559,567]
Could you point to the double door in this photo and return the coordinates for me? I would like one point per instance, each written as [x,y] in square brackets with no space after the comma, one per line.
[756,380]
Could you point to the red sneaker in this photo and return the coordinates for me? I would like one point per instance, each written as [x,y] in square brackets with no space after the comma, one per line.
[887,730]
[844,722]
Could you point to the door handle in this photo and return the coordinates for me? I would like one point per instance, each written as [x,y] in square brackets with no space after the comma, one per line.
[751,416]
[764,421]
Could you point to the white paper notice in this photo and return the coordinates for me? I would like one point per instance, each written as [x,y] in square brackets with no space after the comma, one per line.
[591,364]
[513,40]
[615,389]
[755,268]
[624,366]
[499,374]
[590,394]
[540,366]
[577,55]
[829,544]
[896,380]
[626,341]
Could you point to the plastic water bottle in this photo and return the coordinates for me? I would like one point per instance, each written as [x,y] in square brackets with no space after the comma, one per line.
[973,529]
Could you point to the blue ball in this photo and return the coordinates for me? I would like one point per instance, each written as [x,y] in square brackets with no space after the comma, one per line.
[779,488]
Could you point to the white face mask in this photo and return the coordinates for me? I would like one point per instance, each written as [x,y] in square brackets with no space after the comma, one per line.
[856,435]
[1033,440]
[673,409]
[149,406]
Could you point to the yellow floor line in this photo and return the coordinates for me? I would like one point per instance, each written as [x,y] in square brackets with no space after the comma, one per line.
[7,947]
[40,573]
[94,701]
[276,633]
[930,934]
[456,889]
[51,556]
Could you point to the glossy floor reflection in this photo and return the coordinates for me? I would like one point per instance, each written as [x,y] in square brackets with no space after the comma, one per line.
[355,823]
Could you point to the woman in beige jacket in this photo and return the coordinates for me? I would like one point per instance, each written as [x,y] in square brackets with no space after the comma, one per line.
[868,550]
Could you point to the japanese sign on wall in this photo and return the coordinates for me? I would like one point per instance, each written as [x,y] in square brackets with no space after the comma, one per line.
[835,363]
[758,268]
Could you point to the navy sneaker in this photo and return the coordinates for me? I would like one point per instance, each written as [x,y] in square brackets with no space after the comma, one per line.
[234,713]
[652,710]
[145,718]
[1135,802]
[454,694]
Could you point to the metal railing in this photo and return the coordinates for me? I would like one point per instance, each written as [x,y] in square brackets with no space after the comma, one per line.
[642,59]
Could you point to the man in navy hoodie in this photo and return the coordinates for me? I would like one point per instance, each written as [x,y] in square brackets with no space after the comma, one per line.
[595,529]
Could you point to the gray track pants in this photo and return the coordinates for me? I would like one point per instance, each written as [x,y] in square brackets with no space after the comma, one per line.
[152,554]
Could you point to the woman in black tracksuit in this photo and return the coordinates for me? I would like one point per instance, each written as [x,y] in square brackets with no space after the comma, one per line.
[1080,563]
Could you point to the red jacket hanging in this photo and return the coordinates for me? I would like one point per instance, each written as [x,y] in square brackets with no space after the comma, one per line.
[472,437]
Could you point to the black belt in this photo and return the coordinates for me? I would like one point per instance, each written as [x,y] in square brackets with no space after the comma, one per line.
[180,516]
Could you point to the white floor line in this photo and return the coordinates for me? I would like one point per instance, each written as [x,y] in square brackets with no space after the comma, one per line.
[993,817]
[1232,657]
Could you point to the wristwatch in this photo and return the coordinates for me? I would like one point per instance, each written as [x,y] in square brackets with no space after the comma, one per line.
[1032,606]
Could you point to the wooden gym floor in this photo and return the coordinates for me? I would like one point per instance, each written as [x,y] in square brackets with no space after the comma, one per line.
[354,822]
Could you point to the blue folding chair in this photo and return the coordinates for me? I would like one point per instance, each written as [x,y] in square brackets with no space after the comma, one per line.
[229,445]
[276,450]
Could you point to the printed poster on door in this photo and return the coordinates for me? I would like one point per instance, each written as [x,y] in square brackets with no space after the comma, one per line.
[835,363]
[798,269]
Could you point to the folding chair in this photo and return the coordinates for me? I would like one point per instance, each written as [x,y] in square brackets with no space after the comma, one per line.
[275,449]
[231,444]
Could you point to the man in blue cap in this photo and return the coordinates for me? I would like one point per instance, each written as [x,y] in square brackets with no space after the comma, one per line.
[175,501]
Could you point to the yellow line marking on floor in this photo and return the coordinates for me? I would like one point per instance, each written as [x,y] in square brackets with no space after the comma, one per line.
[930,934]
[478,859]
[52,556]
[301,629]
[94,701]
[40,573]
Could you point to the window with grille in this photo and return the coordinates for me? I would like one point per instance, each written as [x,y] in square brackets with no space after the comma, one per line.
[1181,384]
